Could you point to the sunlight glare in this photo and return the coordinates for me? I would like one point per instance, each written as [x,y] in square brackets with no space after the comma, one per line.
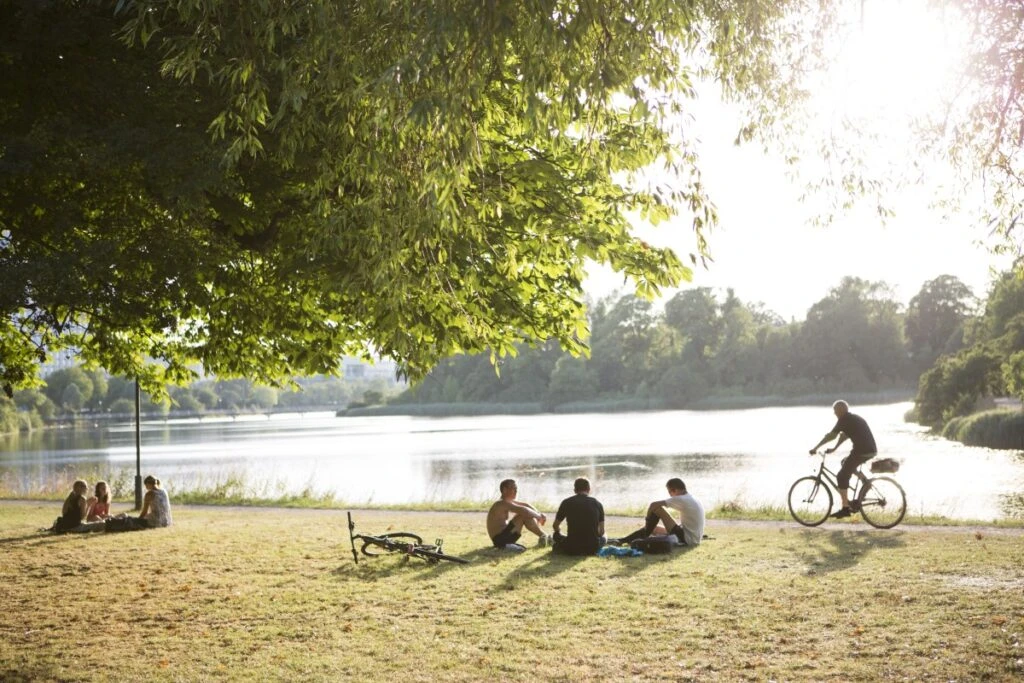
[897,62]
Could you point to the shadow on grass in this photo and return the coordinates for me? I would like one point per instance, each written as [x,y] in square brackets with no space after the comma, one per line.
[839,550]
[40,537]
[29,674]
[631,566]
[545,564]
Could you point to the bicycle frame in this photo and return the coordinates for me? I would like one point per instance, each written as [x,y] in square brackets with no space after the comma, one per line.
[881,501]
[830,478]
[432,553]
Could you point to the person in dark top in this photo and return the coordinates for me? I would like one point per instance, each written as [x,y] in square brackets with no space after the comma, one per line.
[854,428]
[72,514]
[585,517]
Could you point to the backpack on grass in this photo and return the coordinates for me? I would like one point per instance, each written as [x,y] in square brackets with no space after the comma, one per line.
[113,524]
[652,546]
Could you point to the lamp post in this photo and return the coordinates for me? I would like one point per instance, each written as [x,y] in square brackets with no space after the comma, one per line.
[138,448]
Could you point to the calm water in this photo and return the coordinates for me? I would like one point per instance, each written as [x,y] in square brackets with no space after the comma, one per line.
[751,456]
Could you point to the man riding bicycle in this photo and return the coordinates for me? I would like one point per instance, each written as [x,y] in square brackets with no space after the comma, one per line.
[854,428]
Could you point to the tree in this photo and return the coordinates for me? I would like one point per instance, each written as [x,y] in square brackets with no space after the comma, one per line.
[979,129]
[262,188]
[621,342]
[100,387]
[954,385]
[1013,374]
[265,398]
[123,407]
[33,399]
[58,381]
[696,315]
[188,403]
[571,380]
[72,398]
[934,316]
[853,338]
[736,357]
[680,386]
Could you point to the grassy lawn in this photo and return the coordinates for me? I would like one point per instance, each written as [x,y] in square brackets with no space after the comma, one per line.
[266,594]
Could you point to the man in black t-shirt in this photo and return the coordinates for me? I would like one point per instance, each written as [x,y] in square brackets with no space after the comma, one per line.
[585,516]
[854,428]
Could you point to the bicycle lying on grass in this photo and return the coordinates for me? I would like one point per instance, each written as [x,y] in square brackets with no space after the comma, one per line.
[880,500]
[402,542]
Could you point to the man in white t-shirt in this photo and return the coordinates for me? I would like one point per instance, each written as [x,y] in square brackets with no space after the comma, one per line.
[687,531]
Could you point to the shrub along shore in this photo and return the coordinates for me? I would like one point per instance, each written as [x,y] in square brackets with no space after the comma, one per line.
[246,595]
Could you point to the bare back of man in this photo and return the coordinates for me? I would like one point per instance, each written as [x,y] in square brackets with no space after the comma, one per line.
[507,517]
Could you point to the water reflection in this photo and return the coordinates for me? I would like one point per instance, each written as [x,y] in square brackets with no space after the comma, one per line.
[749,456]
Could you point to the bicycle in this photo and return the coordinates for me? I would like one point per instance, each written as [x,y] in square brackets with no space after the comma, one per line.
[403,542]
[880,500]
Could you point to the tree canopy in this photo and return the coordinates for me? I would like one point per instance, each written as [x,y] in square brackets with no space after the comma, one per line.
[260,188]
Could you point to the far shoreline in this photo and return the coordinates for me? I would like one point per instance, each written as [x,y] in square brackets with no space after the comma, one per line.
[624,405]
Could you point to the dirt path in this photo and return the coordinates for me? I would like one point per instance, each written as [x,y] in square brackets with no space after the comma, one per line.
[615,521]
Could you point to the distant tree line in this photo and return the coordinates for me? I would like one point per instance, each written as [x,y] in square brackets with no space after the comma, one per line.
[858,338]
[76,391]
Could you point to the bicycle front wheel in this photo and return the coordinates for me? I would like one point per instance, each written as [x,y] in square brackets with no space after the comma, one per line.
[373,549]
[810,501]
[884,503]
[434,556]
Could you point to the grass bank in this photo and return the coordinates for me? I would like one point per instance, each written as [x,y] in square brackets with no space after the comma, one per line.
[237,489]
[1000,428]
[274,595]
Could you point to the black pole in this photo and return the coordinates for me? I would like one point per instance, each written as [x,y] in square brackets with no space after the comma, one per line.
[138,449]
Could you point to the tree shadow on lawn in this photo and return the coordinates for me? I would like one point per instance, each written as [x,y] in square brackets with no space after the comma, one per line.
[839,550]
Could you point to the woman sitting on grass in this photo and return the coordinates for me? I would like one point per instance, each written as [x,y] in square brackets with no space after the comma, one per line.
[156,510]
[156,506]
[74,510]
[99,504]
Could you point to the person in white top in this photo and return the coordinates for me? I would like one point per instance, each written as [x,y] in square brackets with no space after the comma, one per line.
[689,530]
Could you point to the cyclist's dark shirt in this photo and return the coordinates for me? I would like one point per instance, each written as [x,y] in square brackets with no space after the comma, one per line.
[857,431]
[583,514]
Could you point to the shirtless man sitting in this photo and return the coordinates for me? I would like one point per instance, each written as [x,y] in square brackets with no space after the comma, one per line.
[504,532]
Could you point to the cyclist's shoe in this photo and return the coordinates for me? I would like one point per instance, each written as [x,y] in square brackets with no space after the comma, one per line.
[844,512]
[544,541]
[514,548]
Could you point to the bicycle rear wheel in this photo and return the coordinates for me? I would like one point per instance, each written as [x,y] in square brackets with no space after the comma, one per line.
[810,501]
[883,504]
[374,549]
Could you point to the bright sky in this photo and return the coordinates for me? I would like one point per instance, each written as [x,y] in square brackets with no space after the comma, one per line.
[892,67]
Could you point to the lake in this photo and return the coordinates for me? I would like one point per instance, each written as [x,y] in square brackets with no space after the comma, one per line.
[748,456]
